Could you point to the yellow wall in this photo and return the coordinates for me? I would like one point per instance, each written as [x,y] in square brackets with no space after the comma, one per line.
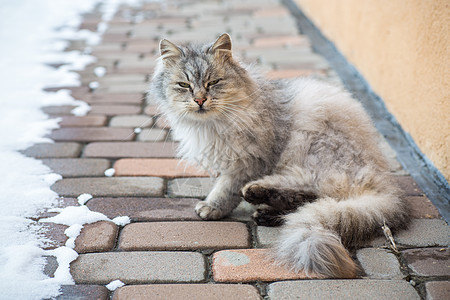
[402,48]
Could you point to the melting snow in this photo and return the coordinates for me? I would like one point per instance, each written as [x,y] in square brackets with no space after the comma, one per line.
[113,285]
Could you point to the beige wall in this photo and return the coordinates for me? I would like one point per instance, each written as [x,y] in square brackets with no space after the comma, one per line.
[401,47]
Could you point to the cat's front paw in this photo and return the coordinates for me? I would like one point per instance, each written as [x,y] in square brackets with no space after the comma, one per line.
[207,212]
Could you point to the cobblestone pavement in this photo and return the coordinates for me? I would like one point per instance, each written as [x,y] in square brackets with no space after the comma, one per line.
[166,252]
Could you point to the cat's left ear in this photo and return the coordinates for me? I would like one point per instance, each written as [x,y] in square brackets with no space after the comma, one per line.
[222,46]
[169,51]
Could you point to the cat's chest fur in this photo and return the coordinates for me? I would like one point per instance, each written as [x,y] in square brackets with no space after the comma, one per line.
[219,148]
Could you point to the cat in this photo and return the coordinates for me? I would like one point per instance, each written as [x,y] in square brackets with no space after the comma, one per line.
[305,151]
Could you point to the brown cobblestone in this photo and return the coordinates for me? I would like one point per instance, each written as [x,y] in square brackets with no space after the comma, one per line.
[409,186]
[130,149]
[73,121]
[88,134]
[437,290]
[249,265]
[96,237]
[184,236]
[169,168]
[428,261]
[187,291]
[114,110]
[115,98]
[422,208]
[54,235]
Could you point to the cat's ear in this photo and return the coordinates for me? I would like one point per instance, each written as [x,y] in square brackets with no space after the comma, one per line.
[169,51]
[222,46]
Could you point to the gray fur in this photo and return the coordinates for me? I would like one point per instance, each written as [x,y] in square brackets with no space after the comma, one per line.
[300,135]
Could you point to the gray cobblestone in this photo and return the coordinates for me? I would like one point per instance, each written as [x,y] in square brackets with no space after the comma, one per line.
[343,289]
[55,150]
[115,187]
[190,187]
[425,233]
[138,267]
[77,167]
[379,263]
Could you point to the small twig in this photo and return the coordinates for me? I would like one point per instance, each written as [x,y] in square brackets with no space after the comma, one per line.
[388,234]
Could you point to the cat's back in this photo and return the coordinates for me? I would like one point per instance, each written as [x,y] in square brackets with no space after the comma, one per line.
[318,104]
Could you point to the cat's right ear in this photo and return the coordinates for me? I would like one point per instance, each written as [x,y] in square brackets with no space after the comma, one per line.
[169,51]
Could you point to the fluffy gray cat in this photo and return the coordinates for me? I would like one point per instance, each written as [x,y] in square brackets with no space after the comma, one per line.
[304,151]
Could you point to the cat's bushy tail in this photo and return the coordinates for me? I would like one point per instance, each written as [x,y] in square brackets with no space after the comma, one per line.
[315,237]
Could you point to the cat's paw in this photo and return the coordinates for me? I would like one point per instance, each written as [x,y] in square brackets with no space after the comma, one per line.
[207,212]
[268,217]
[254,193]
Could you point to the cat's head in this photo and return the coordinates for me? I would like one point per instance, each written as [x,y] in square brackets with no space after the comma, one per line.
[202,82]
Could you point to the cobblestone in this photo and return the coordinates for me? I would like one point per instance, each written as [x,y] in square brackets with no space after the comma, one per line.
[146,209]
[96,237]
[379,263]
[116,187]
[248,265]
[190,187]
[83,292]
[169,168]
[89,134]
[77,167]
[409,186]
[152,135]
[343,289]
[188,291]
[184,236]
[73,121]
[130,149]
[428,261]
[138,267]
[114,110]
[132,121]
[437,290]
[55,150]
[267,236]
[115,98]
[425,233]
[422,208]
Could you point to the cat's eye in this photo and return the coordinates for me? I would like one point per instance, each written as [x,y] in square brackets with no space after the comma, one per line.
[184,84]
[213,82]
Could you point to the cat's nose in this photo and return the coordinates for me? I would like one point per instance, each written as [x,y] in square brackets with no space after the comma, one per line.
[200,101]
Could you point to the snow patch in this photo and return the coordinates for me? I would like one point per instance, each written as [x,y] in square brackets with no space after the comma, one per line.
[93,85]
[100,71]
[72,215]
[64,256]
[113,285]
[83,198]
[72,233]
[110,172]
[122,220]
